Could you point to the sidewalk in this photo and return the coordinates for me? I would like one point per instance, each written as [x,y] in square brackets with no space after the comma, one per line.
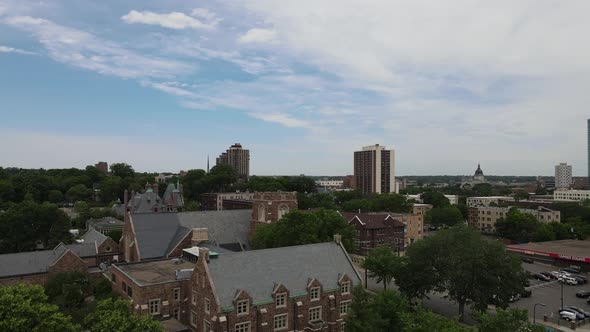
[565,328]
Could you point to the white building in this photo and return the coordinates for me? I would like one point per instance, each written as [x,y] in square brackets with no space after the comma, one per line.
[486,200]
[571,195]
[563,175]
[330,184]
[453,199]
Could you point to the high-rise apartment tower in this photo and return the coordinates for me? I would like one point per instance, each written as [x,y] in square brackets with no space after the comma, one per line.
[238,159]
[563,175]
[374,170]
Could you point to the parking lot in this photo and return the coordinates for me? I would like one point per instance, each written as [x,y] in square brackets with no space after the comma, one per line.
[549,293]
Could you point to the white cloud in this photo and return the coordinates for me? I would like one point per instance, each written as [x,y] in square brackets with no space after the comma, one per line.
[6,49]
[173,20]
[84,50]
[282,119]
[257,35]
[170,89]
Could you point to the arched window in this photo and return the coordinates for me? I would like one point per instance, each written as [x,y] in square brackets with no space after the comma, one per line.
[261,213]
[283,209]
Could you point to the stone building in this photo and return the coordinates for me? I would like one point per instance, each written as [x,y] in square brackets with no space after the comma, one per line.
[216,201]
[269,207]
[298,288]
[375,230]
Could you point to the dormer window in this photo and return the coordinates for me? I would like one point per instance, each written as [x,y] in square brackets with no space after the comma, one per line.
[345,288]
[242,307]
[314,293]
[281,300]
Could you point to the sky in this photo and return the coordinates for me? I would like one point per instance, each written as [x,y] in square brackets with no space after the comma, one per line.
[161,85]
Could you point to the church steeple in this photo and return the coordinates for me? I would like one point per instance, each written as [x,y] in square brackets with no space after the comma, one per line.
[207,163]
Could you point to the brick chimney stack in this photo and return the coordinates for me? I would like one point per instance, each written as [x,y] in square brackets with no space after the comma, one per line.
[204,254]
[338,238]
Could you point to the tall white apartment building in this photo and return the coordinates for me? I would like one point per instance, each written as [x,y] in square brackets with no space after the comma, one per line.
[563,175]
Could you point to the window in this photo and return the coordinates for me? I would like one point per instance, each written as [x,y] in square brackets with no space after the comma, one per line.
[314,293]
[344,307]
[345,287]
[315,314]
[176,314]
[155,307]
[194,298]
[113,278]
[242,307]
[193,318]
[176,294]
[243,327]
[129,291]
[124,286]
[206,325]
[281,300]
[207,306]
[280,322]
[283,210]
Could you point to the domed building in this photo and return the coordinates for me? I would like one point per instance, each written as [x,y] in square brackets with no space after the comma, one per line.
[478,177]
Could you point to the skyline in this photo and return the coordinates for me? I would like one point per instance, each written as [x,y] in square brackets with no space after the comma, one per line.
[301,85]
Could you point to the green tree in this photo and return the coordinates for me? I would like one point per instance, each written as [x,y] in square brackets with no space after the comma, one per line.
[357,205]
[114,315]
[122,170]
[517,226]
[25,308]
[7,193]
[221,178]
[435,198]
[315,200]
[482,189]
[55,196]
[446,215]
[68,289]
[362,317]
[458,261]
[111,189]
[79,193]
[382,264]
[515,320]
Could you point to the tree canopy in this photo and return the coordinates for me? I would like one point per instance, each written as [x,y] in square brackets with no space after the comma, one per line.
[445,215]
[114,315]
[378,203]
[299,227]
[382,264]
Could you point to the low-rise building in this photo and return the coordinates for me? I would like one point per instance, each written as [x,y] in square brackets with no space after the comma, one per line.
[453,199]
[297,288]
[330,184]
[485,218]
[414,226]
[571,195]
[105,225]
[215,201]
[487,200]
[375,230]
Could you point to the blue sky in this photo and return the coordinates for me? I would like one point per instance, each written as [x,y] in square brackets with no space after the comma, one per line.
[302,84]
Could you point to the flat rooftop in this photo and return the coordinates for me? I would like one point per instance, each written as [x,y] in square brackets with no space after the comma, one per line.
[566,249]
[155,272]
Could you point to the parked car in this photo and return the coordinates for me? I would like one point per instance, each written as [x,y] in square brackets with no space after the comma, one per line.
[576,315]
[588,301]
[548,274]
[568,280]
[570,269]
[527,260]
[579,279]
[578,310]
[541,276]
[526,293]
[514,298]
[583,294]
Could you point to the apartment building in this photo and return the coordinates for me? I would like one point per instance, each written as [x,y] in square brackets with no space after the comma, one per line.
[487,200]
[375,230]
[571,195]
[484,218]
[374,170]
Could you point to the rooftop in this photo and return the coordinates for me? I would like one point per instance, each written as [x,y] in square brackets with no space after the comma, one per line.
[574,248]
[155,272]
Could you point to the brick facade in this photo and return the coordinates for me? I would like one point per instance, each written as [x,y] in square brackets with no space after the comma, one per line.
[375,230]
[269,207]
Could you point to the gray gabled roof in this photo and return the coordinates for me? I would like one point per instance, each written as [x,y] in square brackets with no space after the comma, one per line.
[257,272]
[94,236]
[24,263]
[82,249]
[158,233]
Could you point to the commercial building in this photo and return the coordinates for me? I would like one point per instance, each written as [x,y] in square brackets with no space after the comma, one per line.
[297,288]
[453,199]
[487,200]
[563,175]
[374,170]
[227,201]
[484,218]
[238,158]
[571,195]
[375,230]
[105,225]
[561,253]
[330,184]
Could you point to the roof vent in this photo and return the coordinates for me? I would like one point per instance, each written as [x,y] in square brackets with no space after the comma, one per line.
[177,261]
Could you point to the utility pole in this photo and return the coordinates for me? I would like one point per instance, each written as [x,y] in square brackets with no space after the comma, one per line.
[561,282]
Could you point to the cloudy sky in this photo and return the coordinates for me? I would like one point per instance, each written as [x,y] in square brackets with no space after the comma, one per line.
[302,84]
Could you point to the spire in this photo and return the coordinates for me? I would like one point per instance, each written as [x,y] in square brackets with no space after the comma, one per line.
[207,163]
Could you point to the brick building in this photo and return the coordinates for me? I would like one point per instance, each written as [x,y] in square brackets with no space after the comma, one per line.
[375,230]
[374,170]
[238,158]
[268,207]
[484,218]
[102,166]
[216,201]
[414,226]
[105,225]
[298,288]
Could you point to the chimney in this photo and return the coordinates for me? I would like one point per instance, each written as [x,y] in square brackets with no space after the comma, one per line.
[125,199]
[204,254]
[338,238]
[199,235]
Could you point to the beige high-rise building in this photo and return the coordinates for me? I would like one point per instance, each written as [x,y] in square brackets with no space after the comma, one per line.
[374,170]
[238,158]
[563,175]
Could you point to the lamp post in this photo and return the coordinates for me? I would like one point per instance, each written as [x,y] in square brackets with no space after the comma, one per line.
[535,310]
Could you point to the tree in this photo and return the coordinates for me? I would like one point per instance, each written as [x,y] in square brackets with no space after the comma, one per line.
[111,189]
[446,215]
[68,289]
[435,198]
[221,178]
[55,196]
[315,200]
[122,170]
[507,320]
[79,193]
[362,317]
[382,264]
[482,189]
[25,308]
[114,315]
[299,227]
[458,261]
[517,226]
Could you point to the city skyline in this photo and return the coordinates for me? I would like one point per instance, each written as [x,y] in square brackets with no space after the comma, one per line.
[161,86]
